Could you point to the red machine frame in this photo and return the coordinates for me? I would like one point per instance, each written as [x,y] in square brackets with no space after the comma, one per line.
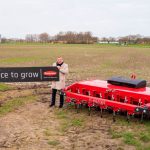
[104,95]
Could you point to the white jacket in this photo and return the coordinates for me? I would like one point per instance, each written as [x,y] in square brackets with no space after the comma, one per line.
[62,77]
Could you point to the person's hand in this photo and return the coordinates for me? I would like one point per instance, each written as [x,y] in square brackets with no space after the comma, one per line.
[58,67]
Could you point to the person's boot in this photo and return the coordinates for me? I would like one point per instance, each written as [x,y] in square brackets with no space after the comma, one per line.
[53,98]
[61,100]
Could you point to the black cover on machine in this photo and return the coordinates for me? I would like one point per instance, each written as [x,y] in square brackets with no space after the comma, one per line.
[131,83]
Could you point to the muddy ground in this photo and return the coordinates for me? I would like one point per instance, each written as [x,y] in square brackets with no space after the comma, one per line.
[35,126]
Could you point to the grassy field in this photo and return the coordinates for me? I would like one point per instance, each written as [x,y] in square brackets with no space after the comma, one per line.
[86,62]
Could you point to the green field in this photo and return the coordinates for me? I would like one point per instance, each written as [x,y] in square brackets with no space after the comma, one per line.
[85,62]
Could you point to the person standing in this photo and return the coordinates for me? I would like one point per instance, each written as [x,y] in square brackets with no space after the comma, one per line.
[59,85]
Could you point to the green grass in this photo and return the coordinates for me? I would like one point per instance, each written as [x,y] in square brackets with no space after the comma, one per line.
[64,120]
[92,61]
[145,137]
[68,119]
[85,61]
[11,105]
[77,122]
[53,142]
[47,132]
[115,134]
[61,114]
[146,148]
[130,139]
[4,87]
[16,60]
[139,45]
[134,133]
[71,120]
[59,44]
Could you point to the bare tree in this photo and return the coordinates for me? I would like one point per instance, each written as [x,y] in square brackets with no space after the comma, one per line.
[31,38]
[73,37]
[44,37]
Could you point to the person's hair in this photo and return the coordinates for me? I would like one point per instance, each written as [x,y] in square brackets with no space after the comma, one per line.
[59,57]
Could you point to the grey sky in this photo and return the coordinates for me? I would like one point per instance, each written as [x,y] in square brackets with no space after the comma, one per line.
[101,17]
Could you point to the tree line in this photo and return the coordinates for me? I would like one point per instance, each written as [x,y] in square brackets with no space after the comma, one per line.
[130,39]
[63,37]
[79,38]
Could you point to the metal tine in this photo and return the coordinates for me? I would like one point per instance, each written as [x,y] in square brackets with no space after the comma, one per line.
[128,117]
[89,111]
[142,115]
[114,116]
[78,108]
[101,112]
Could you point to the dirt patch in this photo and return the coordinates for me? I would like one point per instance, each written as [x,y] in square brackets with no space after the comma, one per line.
[17,90]
[36,126]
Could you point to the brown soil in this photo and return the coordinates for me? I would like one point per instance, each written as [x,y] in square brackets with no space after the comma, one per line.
[32,126]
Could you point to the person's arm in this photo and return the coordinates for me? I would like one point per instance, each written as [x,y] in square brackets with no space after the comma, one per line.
[65,69]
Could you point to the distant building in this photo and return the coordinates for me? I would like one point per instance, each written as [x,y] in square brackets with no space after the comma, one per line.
[108,42]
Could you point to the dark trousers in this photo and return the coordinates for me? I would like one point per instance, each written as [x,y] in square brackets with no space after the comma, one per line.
[53,98]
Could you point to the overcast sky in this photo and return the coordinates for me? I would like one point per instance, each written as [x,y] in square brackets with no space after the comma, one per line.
[101,17]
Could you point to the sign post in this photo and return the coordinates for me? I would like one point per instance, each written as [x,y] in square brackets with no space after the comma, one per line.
[29,74]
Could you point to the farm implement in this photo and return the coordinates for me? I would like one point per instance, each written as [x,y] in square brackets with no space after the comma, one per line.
[117,94]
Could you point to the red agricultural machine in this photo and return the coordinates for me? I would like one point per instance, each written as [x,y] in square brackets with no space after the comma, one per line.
[117,94]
